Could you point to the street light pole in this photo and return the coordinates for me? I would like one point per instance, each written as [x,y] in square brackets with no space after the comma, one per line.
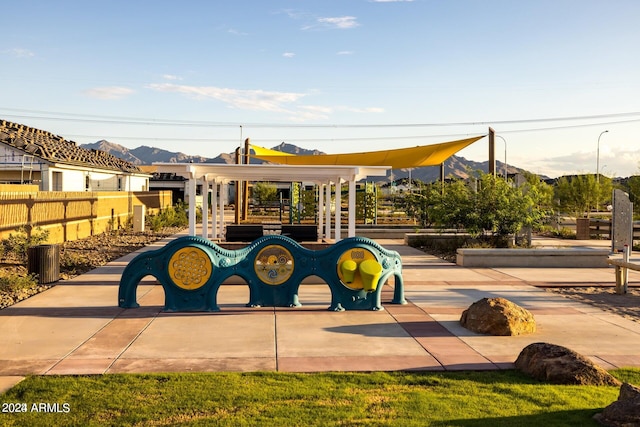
[505,156]
[598,158]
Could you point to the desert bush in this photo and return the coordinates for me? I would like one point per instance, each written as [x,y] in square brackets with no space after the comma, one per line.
[74,263]
[13,282]
[21,241]
[175,216]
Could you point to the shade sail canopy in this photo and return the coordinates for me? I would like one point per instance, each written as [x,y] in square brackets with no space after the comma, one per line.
[424,155]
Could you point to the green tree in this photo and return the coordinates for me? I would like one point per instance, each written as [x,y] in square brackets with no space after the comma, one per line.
[633,184]
[309,202]
[579,194]
[24,238]
[487,205]
[366,203]
[264,192]
[452,206]
[416,203]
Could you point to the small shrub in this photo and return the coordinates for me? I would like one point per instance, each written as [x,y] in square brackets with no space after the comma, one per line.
[19,243]
[13,282]
[171,217]
[566,233]
[74,263]
[480,244]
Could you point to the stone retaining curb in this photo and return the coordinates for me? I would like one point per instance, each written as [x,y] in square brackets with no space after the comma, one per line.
[560,257]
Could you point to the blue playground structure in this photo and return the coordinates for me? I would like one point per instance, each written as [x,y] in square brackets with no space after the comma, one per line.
[191,270]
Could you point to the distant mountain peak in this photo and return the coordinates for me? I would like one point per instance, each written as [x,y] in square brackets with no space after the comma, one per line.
[294,149]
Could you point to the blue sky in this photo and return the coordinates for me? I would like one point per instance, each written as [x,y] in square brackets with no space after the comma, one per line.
[339,76]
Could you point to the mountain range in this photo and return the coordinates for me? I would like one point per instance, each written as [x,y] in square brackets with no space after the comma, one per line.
[455,166]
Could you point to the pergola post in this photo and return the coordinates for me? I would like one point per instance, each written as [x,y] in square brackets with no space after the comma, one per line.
[351,224]
[192,204]
[238,209]
[320,210]
[338,213]
[221,207]
[214,211]
[205,207]
[245,183]
[327,213]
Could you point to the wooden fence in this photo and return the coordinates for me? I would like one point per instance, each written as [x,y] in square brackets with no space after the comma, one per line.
[74,215]
[602,228]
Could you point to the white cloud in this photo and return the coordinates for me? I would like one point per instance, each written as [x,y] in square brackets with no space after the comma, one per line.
[19,52]
[171,77]
[345,52]
[261,100]
[110,92]
[288,54]
[318,112]
[311,112]
[236,32]
[295,14]
[339,22]
[258,100]
[390,1]
[375,110]
[314,22]
[366,110]
[618,161]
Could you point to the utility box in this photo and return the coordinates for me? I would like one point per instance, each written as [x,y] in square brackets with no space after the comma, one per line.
[44,260]
[138,218]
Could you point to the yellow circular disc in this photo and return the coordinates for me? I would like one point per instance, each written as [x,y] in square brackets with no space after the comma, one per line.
[274,265]
[347,275]
[190,268]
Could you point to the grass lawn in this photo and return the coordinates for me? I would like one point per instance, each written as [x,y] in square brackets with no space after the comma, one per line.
[494,398]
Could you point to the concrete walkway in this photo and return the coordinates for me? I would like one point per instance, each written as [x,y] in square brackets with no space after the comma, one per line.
[77,327]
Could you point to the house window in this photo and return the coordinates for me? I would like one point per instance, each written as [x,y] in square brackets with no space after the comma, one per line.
[56,181]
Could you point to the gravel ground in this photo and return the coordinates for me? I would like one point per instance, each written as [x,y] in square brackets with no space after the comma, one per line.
[78,257]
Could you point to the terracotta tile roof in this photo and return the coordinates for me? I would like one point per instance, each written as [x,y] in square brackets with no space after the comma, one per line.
[55,149]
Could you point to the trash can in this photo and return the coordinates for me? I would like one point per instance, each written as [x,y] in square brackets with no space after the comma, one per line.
[582,229]
[44,260]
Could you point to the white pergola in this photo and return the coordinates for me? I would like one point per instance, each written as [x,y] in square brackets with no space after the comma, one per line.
[213,175]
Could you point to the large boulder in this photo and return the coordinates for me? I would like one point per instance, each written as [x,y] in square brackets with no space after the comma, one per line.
[623,412]
[498,316]
[559,365]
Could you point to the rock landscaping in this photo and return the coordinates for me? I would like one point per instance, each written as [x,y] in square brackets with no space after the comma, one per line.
[76,257]
[498,316]
[623,412]
[559,365]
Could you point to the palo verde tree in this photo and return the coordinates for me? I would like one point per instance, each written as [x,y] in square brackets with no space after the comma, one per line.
[578,195]
[416,203]
[264,192]
[484,205]
[633,184]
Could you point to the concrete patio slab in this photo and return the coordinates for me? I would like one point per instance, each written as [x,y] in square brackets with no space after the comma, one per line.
[77,327]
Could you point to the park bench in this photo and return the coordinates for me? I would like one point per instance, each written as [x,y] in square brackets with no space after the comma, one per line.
[243,232]
[301,232]
[622,271]
[191,270]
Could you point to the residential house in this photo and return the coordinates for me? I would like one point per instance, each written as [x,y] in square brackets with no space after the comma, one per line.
[34,156]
